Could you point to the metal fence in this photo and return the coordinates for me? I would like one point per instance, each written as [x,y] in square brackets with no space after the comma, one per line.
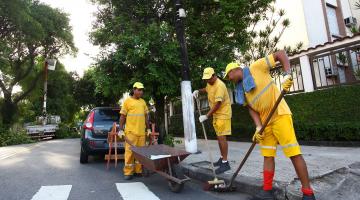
[336,67]
[296,74]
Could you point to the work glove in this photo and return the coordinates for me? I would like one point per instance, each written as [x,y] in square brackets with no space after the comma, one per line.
[121,134]
[195,94]
[257,137]
[148,132]
[203,118]
[287,83]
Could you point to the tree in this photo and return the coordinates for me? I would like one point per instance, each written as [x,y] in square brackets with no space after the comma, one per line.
[143,45]
[86,94]
[266,31]
[28,30]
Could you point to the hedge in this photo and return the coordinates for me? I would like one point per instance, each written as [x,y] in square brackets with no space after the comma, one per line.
[325,115]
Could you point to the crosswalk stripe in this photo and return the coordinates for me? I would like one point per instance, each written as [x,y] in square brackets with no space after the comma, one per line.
[7,152]
[57,192]
[135,191]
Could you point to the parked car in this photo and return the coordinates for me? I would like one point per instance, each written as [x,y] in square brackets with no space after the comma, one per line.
[94,132]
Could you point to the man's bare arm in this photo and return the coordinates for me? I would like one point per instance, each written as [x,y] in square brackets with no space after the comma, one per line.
[282,57]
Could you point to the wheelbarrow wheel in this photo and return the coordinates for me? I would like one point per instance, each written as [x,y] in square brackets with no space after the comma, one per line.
[176,172]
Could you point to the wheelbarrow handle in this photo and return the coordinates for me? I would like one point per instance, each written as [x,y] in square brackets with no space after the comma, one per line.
[128,141]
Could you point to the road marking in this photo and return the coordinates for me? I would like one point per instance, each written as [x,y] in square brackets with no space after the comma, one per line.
[135,191]
[57,192]
[7,152]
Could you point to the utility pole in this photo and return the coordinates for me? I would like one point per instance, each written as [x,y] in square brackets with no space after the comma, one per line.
[49,65]
[186,91]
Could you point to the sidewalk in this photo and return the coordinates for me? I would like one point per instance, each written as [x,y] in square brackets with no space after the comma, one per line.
[334,171]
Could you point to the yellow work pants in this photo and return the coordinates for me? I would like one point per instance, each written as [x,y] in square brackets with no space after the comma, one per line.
[131,165]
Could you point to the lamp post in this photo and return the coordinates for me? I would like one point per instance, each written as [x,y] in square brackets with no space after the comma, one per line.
[186,92]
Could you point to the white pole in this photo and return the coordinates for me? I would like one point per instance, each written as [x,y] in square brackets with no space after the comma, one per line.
[188,117]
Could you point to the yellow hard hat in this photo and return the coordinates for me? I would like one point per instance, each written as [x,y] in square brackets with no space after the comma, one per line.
[208,72]
[230,67]
[138,85]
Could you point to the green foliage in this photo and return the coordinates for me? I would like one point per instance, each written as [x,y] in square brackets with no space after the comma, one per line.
[13,137]
[29,30]
[170,140]
[266,30]
[60,97]
[326,115]
[65,131]
[143,44]
[87,95]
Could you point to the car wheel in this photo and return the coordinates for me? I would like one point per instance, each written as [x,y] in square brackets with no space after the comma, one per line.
[84,157]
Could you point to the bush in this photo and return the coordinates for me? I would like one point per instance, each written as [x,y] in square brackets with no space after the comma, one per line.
[325,115]
[14,137]
[65,131]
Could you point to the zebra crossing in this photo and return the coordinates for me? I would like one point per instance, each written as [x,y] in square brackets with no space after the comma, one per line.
[126,191]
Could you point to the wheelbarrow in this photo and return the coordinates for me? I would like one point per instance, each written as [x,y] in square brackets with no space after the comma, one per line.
[163,160]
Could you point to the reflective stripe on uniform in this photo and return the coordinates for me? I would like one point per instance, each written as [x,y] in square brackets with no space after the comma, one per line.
[268,147]
[129,165]
[136,114]
[268,62]
[290,145]
[226,132]
[137,162]
[261,93]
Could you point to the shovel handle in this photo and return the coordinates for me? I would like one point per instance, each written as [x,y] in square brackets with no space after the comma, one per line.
[268,118]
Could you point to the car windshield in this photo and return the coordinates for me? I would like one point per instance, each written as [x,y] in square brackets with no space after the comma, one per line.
[107,115]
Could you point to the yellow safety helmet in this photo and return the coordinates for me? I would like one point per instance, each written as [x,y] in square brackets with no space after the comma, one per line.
[138,85]
[208,72]
[230,67]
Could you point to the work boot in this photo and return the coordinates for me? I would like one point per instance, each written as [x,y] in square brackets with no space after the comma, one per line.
[217,163]
[264,195]
[223,167]
[306,197]
[128,177]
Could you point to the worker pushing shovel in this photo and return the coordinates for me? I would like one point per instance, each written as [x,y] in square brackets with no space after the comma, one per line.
[134,113]
[256,90]
[220,110]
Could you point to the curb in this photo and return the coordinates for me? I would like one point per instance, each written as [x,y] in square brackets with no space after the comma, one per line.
[245,184]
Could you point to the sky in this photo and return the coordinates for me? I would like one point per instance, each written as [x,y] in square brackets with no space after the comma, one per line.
[81,14]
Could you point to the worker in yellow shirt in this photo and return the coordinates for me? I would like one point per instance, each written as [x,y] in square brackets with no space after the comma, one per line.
[220,111]
[256,89]
[134,116]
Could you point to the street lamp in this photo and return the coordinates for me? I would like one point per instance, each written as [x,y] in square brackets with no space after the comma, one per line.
[186,94]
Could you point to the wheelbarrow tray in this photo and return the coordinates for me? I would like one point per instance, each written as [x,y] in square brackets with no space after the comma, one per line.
[143,155]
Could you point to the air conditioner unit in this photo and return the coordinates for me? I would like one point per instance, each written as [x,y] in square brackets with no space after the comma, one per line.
[350,21]
[329,72]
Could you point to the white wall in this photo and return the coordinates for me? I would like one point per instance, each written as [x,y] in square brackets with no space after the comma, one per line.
[297,31]
[315,22]
[354,10]
[346,10]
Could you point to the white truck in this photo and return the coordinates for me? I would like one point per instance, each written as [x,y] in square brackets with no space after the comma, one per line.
[43,130]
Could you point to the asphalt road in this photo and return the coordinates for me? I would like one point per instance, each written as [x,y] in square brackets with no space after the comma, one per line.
[51,170]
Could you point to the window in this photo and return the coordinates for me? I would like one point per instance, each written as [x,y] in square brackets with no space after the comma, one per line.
[332,21]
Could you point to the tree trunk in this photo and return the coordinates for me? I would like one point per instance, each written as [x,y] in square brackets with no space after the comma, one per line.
[8,112]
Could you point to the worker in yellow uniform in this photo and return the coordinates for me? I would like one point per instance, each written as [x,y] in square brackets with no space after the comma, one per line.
[134,116]
[256,89]
[220,111]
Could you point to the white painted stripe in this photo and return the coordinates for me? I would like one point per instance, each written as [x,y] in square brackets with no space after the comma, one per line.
[7,152]
[135,191]
[57,192]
